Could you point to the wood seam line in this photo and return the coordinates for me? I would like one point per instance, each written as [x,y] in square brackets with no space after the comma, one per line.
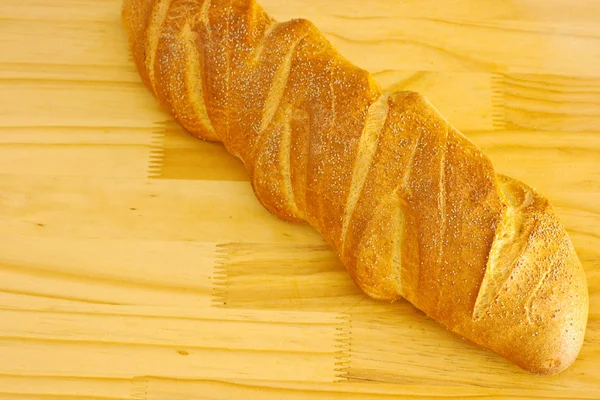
[443,196]
[194,82]
[498,101]
[369,139]
[332,95]
[534,294]
[139,388]
[278,88]
[403,186]
[396,257]
[228,79]
[343,345]
[496,275]
[261,44]
[285,150]
[220,277]
[156,156]
[272,105]
[205,20]
[153,32]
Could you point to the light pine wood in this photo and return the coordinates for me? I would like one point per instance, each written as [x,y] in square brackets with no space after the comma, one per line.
[136,263]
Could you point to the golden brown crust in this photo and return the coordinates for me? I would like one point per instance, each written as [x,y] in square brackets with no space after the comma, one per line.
[135,16]
[542,302]
[411,206]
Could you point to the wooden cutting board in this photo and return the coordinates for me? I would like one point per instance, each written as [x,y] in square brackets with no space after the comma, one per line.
[135,261]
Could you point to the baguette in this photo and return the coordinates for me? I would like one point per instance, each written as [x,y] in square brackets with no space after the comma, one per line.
[412,207]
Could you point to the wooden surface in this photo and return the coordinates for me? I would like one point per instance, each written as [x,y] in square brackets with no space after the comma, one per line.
[135,262]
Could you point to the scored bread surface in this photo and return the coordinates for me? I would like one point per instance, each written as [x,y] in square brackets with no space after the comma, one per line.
[412,207]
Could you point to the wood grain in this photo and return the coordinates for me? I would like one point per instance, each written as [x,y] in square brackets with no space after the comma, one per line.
[136,263]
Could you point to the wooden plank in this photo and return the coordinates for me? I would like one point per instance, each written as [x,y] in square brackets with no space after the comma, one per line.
[70,72]
[71,103]
[155,388]
[132,209]
[29,387]
[109,271]
[550,102]
[446,40]
[398,38]
[458,35]
[284,277]
[117,342]
[539,11]
[69,10]
[465,98]
[76,151]
[73,42]
[414,350]
[533,11]
[179,155]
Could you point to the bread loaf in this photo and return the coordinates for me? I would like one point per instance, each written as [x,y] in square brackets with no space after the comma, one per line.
[411,206]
